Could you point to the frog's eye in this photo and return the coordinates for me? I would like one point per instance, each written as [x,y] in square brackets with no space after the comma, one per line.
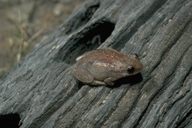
[130,70]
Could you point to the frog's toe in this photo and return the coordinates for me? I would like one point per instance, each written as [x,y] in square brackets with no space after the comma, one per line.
[109,82]
[95,82]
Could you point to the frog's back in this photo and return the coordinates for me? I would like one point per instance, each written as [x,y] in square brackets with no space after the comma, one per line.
[103,55]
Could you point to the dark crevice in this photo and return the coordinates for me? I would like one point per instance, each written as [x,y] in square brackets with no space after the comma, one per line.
[126,88]
[104,119]
[132,80]
[90,38]
[10,121]
[130,31]
[83,92]
[52,108]
[135,102]
[169,46]
[145,111]
[123,121]
[137,122]
[148,107]
[141,117]
[80,19]
[169,77]
[101,93]
[173,73]
[157,94]
[185,121]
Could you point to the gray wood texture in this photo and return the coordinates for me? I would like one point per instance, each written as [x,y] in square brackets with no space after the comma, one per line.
[42,91]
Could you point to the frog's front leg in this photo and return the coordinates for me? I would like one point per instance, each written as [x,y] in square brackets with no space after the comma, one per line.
[96,82]
[110,81]
[83,75]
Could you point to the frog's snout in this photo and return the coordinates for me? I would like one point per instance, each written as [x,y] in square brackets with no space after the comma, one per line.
[139,67]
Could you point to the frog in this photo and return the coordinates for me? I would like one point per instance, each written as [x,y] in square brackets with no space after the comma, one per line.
[105,66]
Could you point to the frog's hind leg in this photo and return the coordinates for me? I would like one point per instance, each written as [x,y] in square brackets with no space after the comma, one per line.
[83,75]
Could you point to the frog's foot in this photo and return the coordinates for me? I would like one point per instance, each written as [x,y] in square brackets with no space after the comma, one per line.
[83,75]
[110,81]
[95,82]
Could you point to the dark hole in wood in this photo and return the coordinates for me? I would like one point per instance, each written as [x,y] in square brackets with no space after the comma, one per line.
[90,40]
[10,121]
[81,20]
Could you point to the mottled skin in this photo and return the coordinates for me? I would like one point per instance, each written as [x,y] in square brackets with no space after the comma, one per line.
[105,66]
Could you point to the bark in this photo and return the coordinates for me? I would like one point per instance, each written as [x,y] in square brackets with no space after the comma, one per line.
[41,91]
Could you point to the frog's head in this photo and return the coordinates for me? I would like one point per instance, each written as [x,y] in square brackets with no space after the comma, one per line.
[134,65]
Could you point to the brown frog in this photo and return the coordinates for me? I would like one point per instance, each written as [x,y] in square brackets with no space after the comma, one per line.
[105,66]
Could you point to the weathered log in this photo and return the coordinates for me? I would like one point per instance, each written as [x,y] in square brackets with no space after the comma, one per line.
[41,91]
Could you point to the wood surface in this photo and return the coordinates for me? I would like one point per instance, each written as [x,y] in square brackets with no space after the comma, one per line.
[41,91]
